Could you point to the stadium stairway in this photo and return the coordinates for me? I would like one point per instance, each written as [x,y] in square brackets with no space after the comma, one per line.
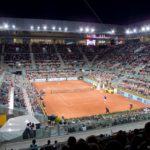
[32,60]
[139,49]
[11,100]
[2,60]
[2,77]
[59,56]
[92,62]
[26,97]
[23,72]
[27,102]
[115,82]
[115,65]
[30,48]
[140,67]
[3,48]
[84,57]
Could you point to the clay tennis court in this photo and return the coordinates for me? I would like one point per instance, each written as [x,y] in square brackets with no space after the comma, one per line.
[78,104]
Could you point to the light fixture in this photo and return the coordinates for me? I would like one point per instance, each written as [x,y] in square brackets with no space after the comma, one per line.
[66,29]
[134,30]
[147,28]
[53,28]
[6,26]
[113,31]
[87,29]
[143,29]
[13,26]
[92,30]
[59,28]
[81,29]
[32,27]
[127,31]
[38,28]
[45,27]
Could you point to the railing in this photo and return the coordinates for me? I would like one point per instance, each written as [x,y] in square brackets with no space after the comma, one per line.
[16,111]
[89,124]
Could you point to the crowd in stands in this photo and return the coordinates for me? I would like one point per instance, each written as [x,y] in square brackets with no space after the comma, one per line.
[42,48]
[30,131]
[91,51]
[16,52]
[111,62]
[4,89]
[16,48]
[137,85]
[18,98]
[103,77]
[71,55]
[52,74]
[13,58]
[122,57]
[19,101]
[33,97]
[4,92]
[44,53]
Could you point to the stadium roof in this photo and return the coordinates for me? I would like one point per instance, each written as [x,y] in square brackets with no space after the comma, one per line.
[18,24]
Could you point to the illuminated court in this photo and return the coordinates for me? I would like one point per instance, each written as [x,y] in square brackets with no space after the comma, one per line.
[77,104]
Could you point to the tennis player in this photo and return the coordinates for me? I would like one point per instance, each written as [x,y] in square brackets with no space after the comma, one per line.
[105,99]
[107,110]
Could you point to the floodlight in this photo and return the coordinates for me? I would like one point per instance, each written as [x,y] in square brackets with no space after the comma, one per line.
[92,30]
[66,29]
[87,29]
[13,26]
[134,30]
[45,27]
[32,27]
[147,28]
[53,28]
[143,29]
[38,28]
[6,26]
[59,28]
[81,29]
[113,31]
[127,31]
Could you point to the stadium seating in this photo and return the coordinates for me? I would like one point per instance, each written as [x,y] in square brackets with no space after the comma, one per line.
[128,62]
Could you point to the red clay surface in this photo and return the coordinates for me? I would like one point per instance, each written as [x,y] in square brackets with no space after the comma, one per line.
[72,105]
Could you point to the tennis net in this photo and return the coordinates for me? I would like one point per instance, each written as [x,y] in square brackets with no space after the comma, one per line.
[72,90]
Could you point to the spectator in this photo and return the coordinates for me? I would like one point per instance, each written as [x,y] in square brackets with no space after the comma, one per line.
[71,142]
[34,146]
[113,145]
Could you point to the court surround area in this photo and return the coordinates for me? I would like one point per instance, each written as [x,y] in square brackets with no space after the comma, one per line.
[73,99]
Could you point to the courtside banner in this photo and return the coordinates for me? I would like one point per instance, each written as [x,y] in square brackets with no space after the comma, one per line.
[134,97]
[90,81]
[54,79]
